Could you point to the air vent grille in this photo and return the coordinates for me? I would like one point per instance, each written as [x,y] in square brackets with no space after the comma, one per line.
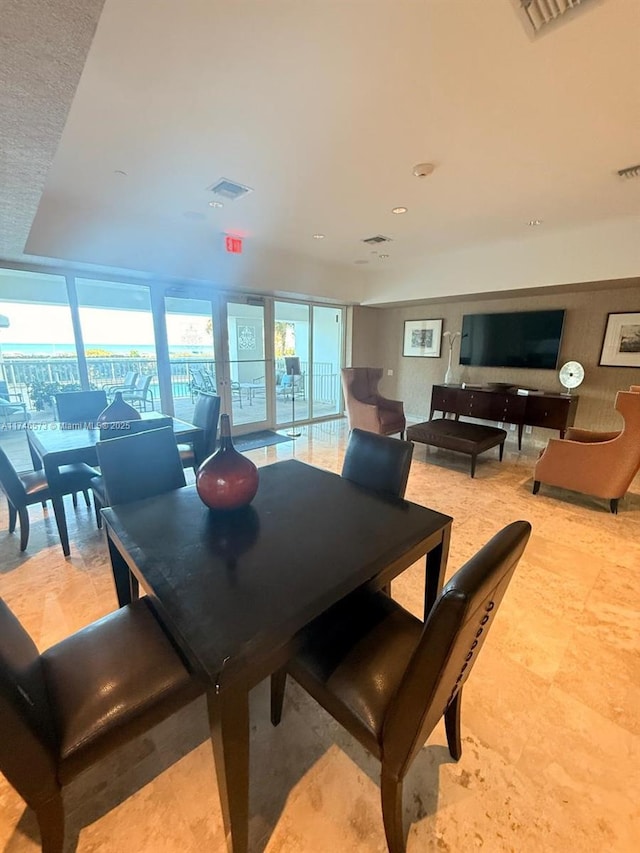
[230,190]
[630,172]
[542,12]
[379,238]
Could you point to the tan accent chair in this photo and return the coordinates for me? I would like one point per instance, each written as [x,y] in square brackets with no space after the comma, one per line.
[366,407]
[602,464]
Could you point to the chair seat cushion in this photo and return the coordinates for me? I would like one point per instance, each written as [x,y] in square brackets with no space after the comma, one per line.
[74,477]
[353,657]
[111,681]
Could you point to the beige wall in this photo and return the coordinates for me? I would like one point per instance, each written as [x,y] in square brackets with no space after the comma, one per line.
[377,341]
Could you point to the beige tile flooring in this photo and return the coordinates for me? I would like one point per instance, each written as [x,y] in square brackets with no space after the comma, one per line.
[551,722]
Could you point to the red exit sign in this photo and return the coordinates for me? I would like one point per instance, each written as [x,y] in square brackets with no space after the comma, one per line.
[233,245]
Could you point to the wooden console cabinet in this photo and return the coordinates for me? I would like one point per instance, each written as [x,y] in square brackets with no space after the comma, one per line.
[551,411]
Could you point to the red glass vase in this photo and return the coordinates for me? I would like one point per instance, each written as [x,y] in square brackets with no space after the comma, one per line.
[227,479]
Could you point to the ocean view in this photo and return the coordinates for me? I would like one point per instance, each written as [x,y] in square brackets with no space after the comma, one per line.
[60,350]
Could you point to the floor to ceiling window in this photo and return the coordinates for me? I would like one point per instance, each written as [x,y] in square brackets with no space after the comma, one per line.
[292,330]
[327,360]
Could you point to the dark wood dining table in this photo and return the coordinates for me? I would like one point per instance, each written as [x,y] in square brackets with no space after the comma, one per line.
[52,445]
[234,590]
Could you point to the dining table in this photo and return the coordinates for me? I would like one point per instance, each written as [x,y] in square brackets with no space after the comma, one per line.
[235,589]
[53,444]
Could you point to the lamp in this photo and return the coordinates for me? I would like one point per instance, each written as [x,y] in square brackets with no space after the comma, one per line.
[292,369]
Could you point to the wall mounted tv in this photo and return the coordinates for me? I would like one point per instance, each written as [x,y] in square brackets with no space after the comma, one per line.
[519,339]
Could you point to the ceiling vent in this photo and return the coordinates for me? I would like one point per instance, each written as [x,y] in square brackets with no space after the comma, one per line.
[379,238]
[630,172]
[229,189]
[539,13]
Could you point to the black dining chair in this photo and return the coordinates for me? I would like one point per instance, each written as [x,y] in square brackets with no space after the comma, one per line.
[205,415]
[76,407]
[388,678]
[137,466]
[29,488]
[65,709]
[378,462]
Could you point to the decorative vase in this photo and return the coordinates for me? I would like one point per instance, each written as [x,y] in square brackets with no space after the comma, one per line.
[227,479]
[116,412]
[448,377]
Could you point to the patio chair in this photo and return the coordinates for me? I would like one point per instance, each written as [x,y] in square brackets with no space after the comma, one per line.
[141,395]
[12,406]
[389,678]
[25,490]
[128,384]
[288,384]
[65,709]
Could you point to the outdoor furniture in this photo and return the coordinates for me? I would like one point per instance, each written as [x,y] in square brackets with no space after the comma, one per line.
[51,449]
[460,436]
[602,464]
[366,407]
[388,678]
[142,394]
[65,709]
[200,380]
[378,462]
[234,589]
[77,407]
[128,384]
[32,487]
[13,409]
[205,415]
[288,385]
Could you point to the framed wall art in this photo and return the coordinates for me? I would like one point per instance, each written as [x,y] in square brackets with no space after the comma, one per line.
[422,338]
[621,344]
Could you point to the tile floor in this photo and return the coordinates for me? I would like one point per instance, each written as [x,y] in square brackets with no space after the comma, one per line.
[551,721]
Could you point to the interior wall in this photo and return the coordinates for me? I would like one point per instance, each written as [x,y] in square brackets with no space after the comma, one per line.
[378,342]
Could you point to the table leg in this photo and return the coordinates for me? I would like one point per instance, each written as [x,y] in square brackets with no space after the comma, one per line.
[229,725]
[121,575]
[436,564]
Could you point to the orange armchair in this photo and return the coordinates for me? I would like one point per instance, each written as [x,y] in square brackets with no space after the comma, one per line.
[602,464]
[366,407]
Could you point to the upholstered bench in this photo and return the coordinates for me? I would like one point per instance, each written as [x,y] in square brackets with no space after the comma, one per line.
[471,439]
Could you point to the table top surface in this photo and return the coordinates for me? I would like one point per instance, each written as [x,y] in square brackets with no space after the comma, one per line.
[52,438]
[234,586]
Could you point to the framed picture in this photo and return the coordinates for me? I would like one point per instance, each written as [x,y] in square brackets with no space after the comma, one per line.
[422,338]
[621,344]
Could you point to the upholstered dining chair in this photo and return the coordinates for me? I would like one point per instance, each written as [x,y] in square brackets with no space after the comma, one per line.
[136,466]
[205,415]
[366,407]
[75,407]
[388,678]
[63,710]
[378,462]
[25,490]
[602,464]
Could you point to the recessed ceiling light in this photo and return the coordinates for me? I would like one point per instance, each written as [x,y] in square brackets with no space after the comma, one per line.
[421,170]
[383,257]
[534,222]
[216,204]
[399,210]
[318,236]
[120,172]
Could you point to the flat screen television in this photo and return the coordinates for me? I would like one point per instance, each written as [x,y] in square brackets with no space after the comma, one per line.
[518,339]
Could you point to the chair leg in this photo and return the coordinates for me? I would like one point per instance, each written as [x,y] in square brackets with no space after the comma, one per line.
[536,487]
[85,492]
[391,793]
[278,682]
[50,817]
[74,498]
[23,512]
[452,726]
[613,505]
[97,506]
[13,515]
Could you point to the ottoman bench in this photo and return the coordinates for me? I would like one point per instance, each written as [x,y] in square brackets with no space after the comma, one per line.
[471,439]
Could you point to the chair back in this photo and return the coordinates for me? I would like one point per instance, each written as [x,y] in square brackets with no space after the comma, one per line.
[378,462]
[361,383]
[122,429]
[451,640]
[28,743]
[205,415]
[74,407]
[140,465]
[12,485]
[142,383]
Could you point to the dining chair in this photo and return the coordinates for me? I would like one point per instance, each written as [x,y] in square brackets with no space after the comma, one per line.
[63,710]
[378,462]
[136,466]
[31,487]
[388,678]
[205,415]
[75,407]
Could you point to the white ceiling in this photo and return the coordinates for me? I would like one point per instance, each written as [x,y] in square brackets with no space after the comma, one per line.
[323,107]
